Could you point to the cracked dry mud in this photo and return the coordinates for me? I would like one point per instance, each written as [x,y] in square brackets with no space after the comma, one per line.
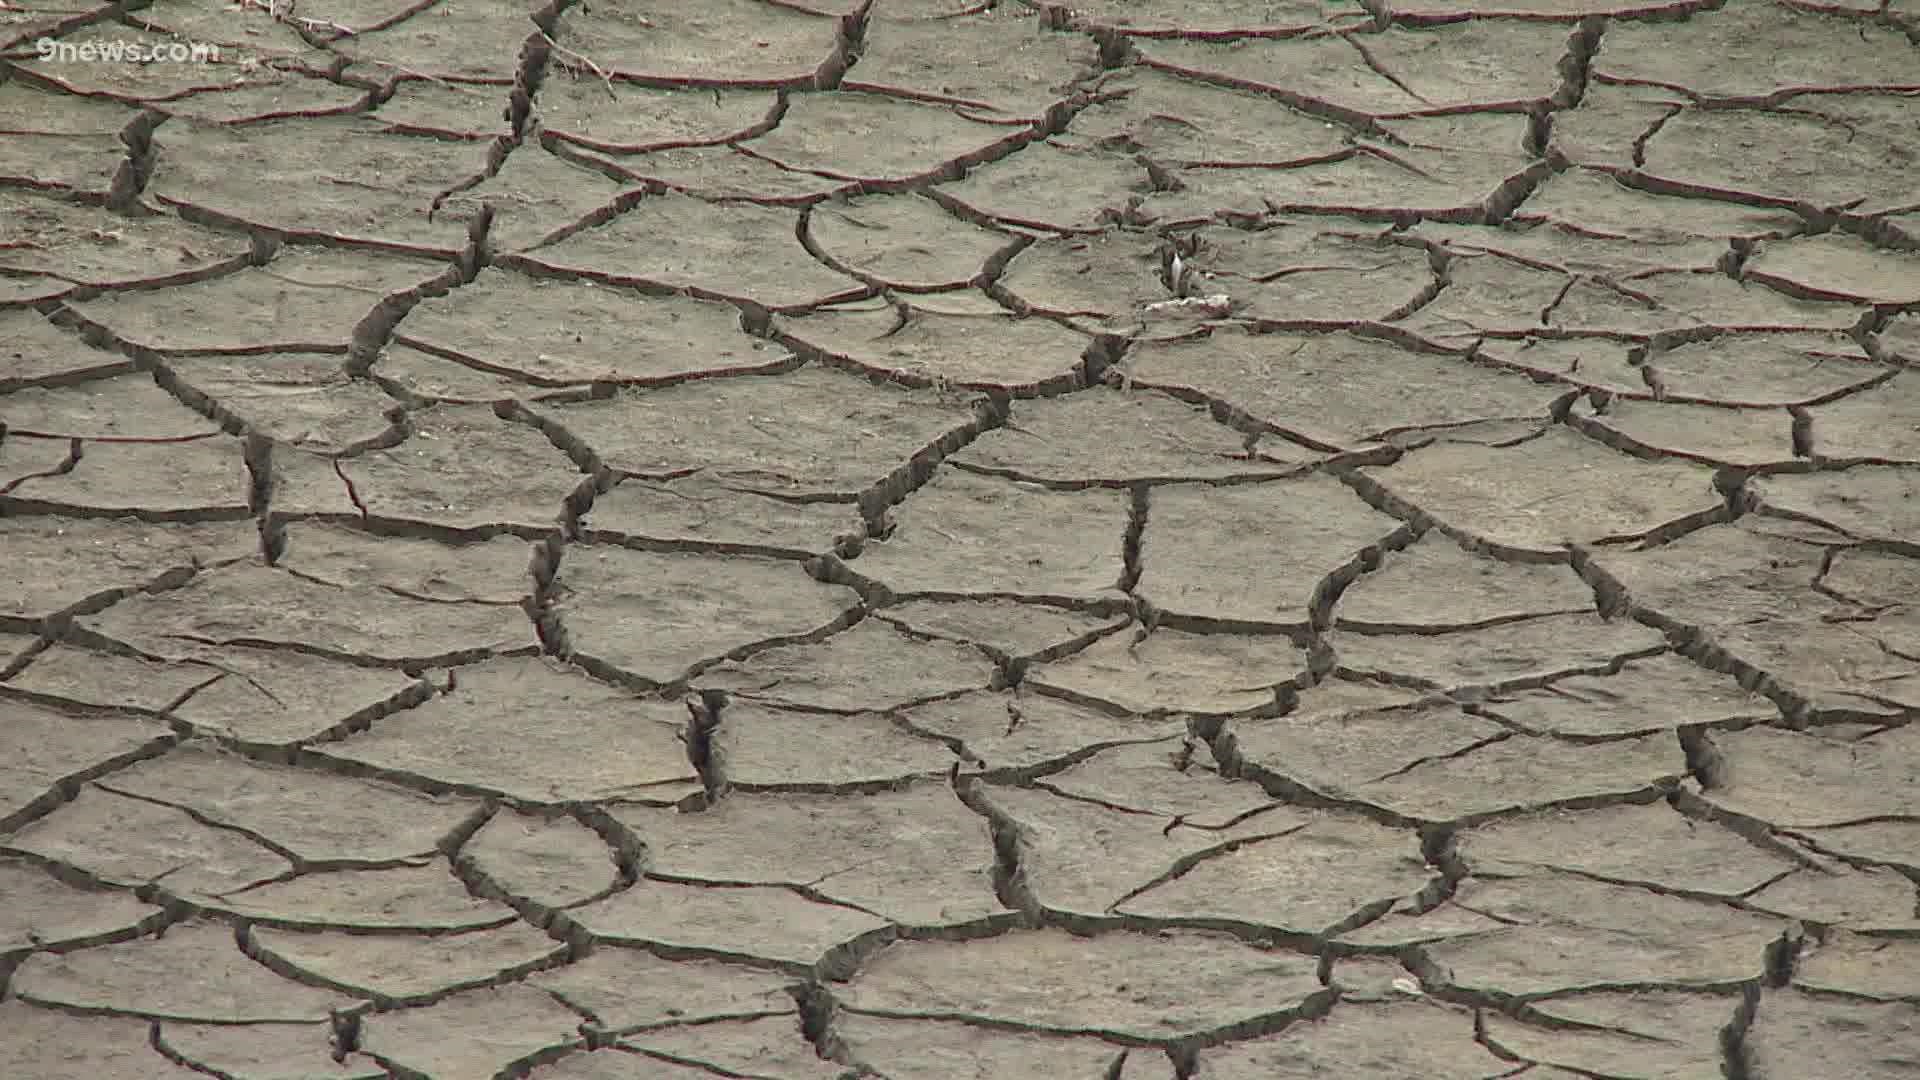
[807,539]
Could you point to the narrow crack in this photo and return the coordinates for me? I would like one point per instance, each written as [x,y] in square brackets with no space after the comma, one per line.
[1010,886]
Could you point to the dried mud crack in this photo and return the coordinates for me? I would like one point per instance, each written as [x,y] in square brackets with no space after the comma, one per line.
[912,538]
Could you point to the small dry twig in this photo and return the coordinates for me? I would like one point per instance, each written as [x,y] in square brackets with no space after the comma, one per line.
[281,11]
[606,78]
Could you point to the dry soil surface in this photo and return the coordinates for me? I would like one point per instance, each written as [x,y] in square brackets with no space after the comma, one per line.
[807,539]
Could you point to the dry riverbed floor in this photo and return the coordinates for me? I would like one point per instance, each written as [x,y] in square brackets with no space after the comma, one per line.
[810,539]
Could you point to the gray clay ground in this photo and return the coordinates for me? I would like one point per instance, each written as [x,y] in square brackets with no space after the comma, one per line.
[809,539]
